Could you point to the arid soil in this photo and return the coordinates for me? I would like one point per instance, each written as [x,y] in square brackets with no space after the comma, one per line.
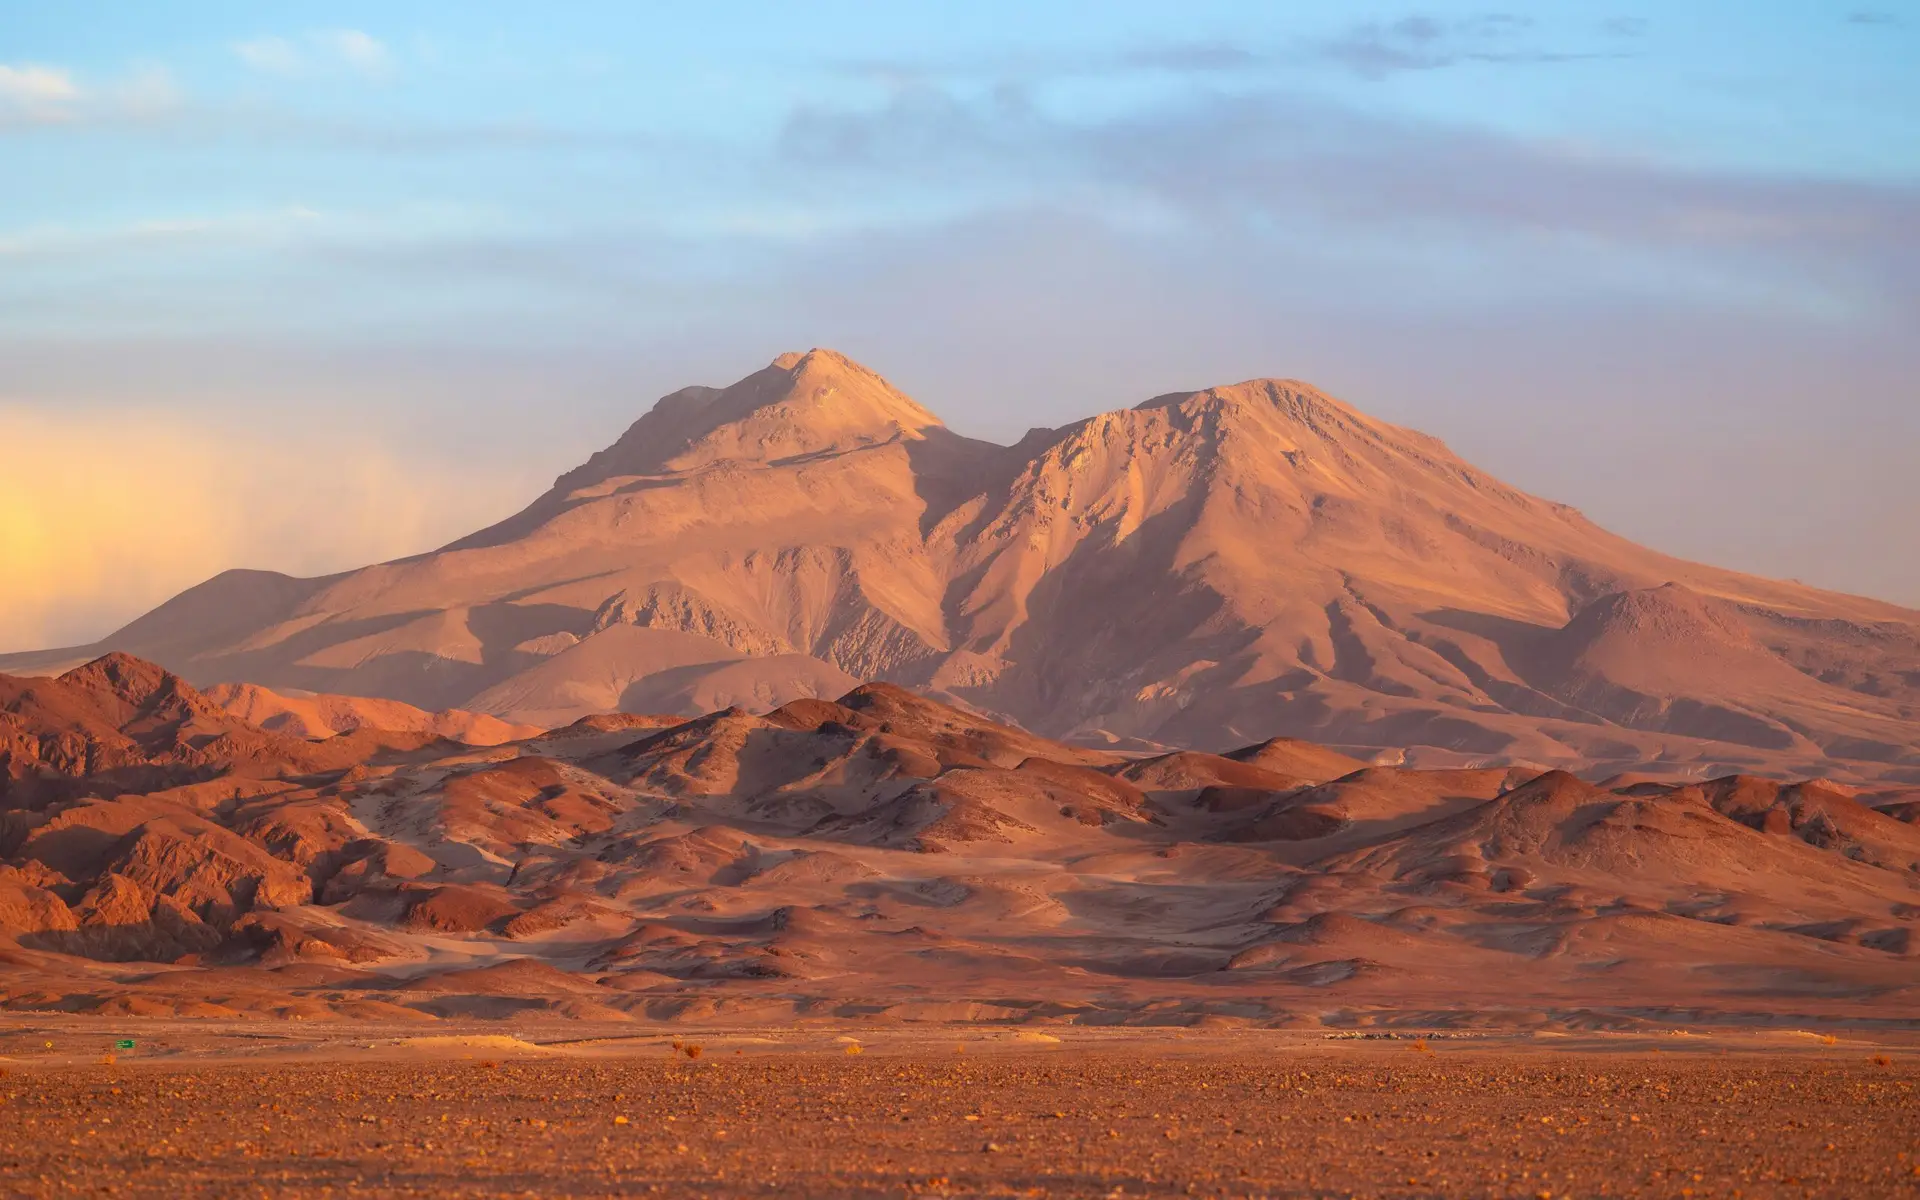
[974,1117]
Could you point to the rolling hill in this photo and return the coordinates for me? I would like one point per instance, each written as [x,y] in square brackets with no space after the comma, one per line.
[886,857]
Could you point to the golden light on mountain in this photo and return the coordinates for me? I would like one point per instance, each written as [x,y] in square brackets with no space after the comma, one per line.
[1205,568]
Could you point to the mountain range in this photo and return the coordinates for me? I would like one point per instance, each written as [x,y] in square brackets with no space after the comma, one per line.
[1205,569]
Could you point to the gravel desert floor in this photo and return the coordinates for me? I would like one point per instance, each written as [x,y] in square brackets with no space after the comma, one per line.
[977,1114]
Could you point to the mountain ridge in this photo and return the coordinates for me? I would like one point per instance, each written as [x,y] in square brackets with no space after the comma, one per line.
[1204,568]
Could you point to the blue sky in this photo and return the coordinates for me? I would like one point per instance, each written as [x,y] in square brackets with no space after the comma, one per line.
[1662,262]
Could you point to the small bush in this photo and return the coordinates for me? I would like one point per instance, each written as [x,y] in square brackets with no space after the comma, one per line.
[692,1051]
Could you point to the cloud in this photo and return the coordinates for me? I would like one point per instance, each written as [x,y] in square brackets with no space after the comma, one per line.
[33,94]
[53,242]
[1277,166]
[1420,209]
[87,549]
[316,52]
[1875,17]
[149,91]
[1281,153]
[273,55]
[1372,49]
[358,50]
[37,94]
[1376,49]
[1195,57]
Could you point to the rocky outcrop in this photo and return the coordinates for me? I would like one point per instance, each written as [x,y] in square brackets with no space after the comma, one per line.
[211,871]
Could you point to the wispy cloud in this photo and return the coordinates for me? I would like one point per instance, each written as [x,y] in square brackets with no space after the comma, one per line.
[147,92]
[1274,165]
[1420,43]
[49,242]
[273,55]
[318,51]
[361,51]
[1371,48]
[1196,57]
[35,94]
[1874,16]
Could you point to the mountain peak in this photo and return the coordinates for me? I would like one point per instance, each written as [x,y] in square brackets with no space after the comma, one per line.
[818,359]
[135,682]
[800,404]
[1292,408]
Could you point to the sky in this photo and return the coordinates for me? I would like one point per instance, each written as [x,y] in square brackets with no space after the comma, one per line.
[304,286]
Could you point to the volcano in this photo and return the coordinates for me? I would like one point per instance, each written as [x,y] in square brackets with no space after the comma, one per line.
[1207,569]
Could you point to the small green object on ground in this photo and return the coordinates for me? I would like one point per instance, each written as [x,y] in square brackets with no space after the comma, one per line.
[123,1044]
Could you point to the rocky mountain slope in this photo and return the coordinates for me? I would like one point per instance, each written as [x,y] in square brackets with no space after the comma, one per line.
[888,857]
[1209,568]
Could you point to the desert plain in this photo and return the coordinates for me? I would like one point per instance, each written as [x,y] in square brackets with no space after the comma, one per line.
[217,1109]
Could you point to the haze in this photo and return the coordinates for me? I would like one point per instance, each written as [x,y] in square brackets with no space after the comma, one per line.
[310,287]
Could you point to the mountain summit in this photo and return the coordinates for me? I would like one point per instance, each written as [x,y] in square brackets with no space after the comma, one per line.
[814,403]
[1211,568]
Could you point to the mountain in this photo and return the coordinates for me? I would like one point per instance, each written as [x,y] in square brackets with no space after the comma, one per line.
[889,857]
[1209,569]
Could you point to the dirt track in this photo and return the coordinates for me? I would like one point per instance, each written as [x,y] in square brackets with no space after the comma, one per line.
[1387,1120]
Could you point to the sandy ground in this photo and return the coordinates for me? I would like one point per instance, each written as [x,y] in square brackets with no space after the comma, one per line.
[970,1113]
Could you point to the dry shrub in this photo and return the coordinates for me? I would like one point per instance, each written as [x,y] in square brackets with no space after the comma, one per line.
[487,1064]
[692,1052]
[1420,1045]
[1881,1060]
[853,1047]
[1827,1039]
